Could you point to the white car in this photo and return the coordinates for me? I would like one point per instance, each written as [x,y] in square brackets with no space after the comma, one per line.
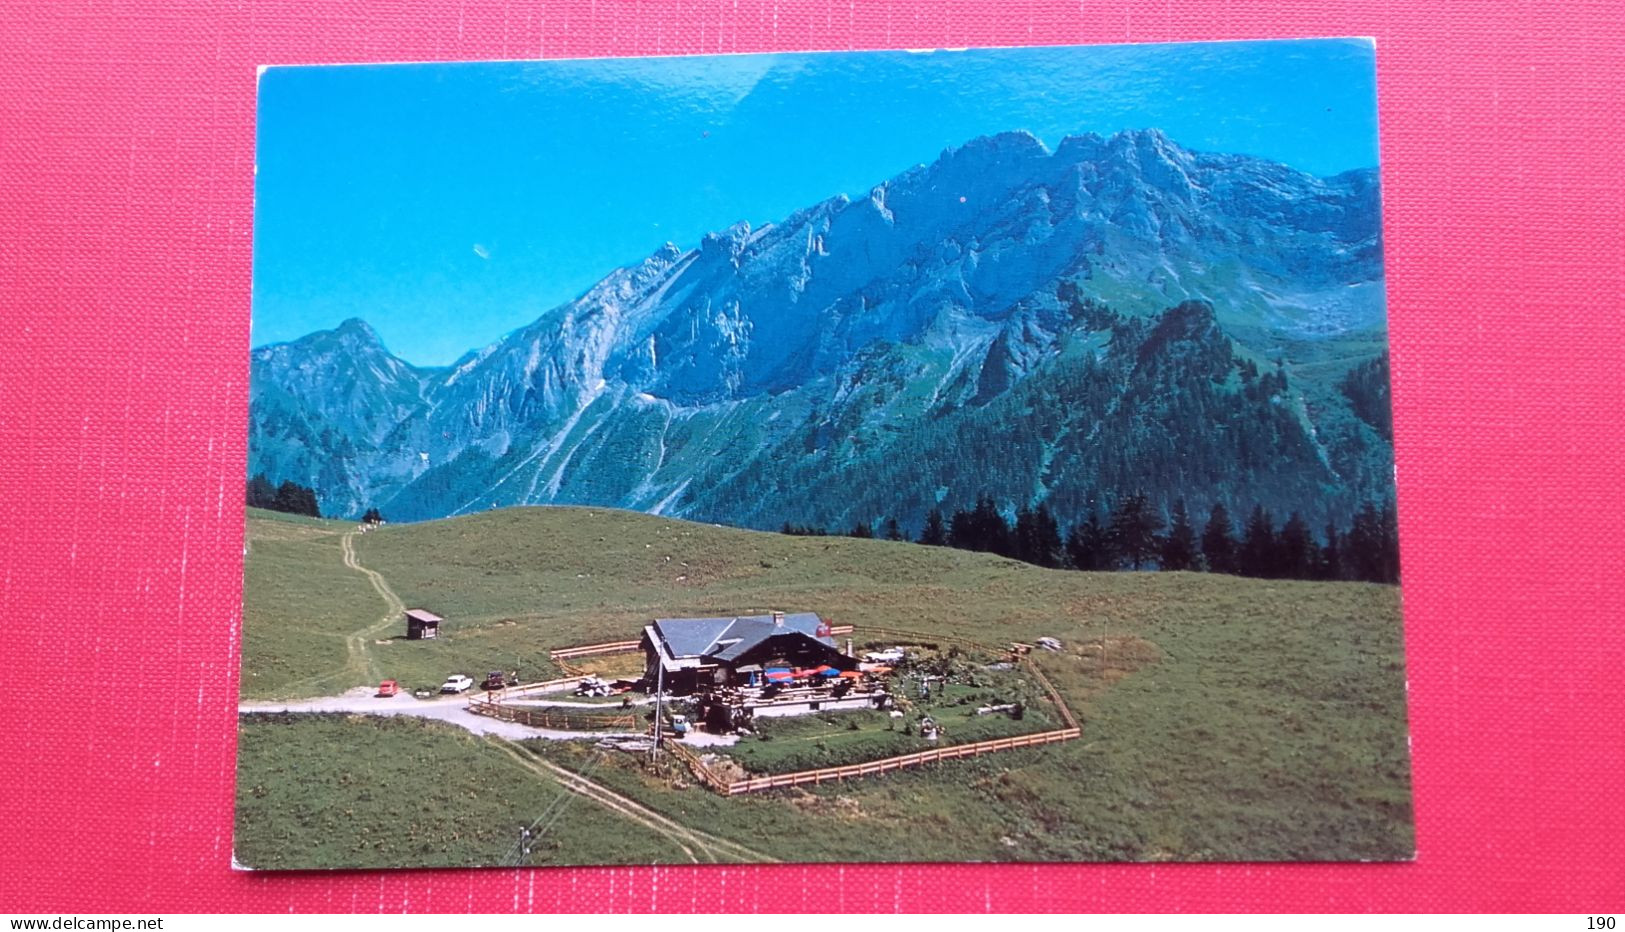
[457,684]
[890,655]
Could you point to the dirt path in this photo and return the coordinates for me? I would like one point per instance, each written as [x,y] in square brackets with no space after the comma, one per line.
[715,849]
[695,845]
[358,661]
[451,710]
[698,847]
[356,644]
[578,786]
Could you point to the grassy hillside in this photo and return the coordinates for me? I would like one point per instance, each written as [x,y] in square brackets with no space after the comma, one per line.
[1224,718]
[299,604]
[332,792]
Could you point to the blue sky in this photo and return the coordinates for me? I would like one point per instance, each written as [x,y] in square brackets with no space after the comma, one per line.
[448,204]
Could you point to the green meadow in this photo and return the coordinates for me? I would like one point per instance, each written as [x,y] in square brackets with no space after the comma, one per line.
[1223,718]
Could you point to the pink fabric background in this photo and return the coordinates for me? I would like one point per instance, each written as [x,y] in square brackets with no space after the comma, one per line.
[126,154]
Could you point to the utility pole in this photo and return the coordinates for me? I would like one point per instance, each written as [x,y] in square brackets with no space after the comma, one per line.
[522,850]
[660,702]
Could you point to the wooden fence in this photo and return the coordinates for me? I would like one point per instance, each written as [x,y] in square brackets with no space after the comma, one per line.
[715,781]
[1050,691]
[918,637]
[701,771]
[509,692]
[555,717]
[564,655]
[583,650]
[921,637]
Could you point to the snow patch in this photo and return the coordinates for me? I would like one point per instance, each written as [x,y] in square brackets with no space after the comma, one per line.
[665,504]
[877,197]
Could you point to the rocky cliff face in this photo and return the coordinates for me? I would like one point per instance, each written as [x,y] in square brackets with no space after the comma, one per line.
[1085,319]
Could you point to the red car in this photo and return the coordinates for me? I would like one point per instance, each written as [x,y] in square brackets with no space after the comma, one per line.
[388,688]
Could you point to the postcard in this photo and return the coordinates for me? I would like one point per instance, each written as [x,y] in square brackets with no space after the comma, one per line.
[975,455]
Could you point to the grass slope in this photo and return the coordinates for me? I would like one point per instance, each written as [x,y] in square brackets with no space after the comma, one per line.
[1223,718]
[334,791]
[300,603]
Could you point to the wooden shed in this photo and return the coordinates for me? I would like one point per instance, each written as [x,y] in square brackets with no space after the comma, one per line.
[422,624]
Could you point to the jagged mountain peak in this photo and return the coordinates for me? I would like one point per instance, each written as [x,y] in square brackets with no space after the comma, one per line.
[357,328]
[1018,143]
[729,242]
[772,348]
[1127,145]
[353,338]
[1015,148]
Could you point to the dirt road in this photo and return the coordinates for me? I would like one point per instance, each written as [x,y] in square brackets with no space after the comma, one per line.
[697,845]
[356,644]
[358,660]
[452,709]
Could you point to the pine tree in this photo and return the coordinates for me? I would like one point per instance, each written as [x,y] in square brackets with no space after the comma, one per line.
[1088,546]
[1295,549]
[1047,534]
[893,531]
[993,529]
[982,528]
[1366,547]
[1390,543]
[295,499]
[1179,547]
[373,516]
[1258,555]
[1367,389]
[861,529]
[934,534]
[1330,565]
[962,530]
[1219,541]
[1038,537]
[261,493]
[1024,541]
[1134,529]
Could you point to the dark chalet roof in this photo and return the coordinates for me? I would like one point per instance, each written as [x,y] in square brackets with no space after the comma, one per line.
[727,639]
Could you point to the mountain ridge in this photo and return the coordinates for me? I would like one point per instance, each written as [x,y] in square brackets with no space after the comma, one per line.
[953,284]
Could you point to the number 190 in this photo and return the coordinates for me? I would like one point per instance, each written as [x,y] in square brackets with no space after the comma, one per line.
[1601,923]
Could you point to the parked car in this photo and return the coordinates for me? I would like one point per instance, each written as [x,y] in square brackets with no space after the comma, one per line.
[388,688]
[497,680]
[592,686]
[889,655]
[457,684]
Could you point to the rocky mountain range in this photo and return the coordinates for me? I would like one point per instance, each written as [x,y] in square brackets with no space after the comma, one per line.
[1061,326]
